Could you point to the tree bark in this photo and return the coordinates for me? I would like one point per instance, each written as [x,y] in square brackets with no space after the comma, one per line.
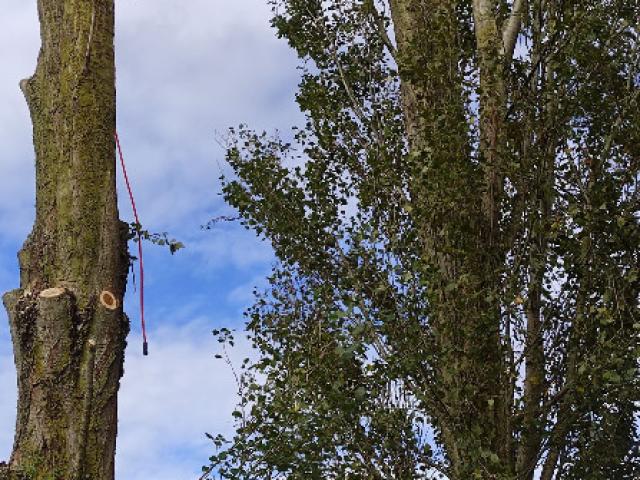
[67,324]
[457,202]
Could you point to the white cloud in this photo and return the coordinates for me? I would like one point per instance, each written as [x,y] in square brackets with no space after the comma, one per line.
[185,71]
[171,398]
[244,294]
[167,402]
[18,50]
[229,246]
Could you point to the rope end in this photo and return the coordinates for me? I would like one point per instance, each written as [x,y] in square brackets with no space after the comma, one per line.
[145,349]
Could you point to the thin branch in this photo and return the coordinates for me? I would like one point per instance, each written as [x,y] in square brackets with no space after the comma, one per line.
[357,108]
[565,420]
[206,473]
[512,28]
[355,104]
[382,29]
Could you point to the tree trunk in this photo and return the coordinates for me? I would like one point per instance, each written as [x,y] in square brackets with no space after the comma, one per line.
[67,324]
[457,213]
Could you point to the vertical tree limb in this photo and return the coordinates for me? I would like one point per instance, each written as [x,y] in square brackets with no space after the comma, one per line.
[511,29]
[69,346]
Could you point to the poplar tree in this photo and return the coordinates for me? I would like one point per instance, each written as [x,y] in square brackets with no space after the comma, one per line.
[67,323]
[456,227]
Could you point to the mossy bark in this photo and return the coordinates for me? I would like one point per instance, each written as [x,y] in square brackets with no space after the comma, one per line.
[69,346]
[457,191]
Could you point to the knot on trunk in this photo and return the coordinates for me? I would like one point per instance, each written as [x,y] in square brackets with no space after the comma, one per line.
[69,362]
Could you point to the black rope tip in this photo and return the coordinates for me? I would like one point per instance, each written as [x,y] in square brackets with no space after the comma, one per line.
[145,349]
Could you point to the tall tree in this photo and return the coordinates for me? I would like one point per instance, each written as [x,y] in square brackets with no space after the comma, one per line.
[67,322]
[457,230]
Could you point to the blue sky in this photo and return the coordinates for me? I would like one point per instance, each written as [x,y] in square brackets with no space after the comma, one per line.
[187,70]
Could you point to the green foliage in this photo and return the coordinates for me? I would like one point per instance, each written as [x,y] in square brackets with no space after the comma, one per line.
[446,300]
[161,239]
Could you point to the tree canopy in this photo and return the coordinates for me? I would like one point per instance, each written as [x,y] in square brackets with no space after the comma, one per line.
[456,228]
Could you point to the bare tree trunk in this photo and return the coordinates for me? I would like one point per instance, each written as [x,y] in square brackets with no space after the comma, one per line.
[67,323]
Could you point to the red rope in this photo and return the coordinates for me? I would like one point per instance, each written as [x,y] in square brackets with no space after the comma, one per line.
[145,345]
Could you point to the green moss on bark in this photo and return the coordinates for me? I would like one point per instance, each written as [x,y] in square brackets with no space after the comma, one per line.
[66,429]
